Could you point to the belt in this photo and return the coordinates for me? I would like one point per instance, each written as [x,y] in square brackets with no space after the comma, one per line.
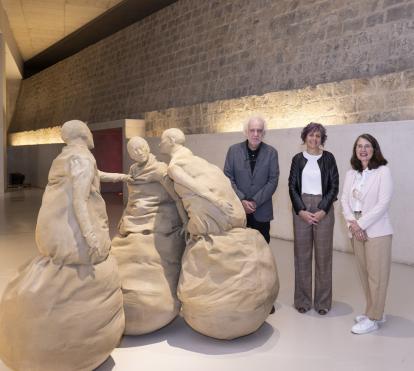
[357,214]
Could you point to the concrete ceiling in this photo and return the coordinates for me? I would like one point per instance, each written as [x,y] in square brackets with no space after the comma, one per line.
[38,24]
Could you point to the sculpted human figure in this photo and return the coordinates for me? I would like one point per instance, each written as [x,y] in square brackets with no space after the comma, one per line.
[228,281]
[150,242]
[74,190]
[207,195]
[63,311]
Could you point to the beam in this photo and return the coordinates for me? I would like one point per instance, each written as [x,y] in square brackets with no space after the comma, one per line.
[120,16]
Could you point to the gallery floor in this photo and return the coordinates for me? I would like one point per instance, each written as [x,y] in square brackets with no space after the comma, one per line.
[287,341]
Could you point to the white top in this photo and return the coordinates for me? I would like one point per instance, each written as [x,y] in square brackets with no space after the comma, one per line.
[358,189]
[311,175]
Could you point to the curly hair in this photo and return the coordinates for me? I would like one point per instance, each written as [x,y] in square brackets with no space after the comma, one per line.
[310,128]
[377,158]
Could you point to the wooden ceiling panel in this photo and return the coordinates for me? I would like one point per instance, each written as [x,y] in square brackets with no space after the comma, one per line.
[45,22]
[45,29]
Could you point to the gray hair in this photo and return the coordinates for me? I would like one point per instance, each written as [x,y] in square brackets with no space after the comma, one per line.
[259,119]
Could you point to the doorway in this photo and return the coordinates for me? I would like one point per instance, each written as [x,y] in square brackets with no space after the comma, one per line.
[108,155]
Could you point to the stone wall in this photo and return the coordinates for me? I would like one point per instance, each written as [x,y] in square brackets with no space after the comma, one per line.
[382,98]
[198,51]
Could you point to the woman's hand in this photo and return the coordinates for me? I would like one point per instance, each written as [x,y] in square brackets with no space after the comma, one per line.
[319,215]
[308,217]
[356,231]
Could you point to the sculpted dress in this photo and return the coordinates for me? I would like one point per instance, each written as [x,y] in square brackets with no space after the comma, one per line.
[148,249]
[229,280]
[63,311]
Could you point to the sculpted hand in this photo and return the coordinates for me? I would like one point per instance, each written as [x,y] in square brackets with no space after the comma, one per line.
[249,206]
[128,178]
[308,217]
[97,251]
[91,240]
[225,206]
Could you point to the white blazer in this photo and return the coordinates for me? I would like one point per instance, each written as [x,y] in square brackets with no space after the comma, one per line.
[376,197]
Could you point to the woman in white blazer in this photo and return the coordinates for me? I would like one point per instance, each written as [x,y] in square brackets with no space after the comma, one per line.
[365,201]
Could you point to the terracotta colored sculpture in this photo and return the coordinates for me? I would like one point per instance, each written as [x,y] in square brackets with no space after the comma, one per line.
[64,311]
[228,281]
[150,243]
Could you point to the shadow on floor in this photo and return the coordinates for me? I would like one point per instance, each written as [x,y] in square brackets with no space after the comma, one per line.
[108,365]
[396,327]
[178,334]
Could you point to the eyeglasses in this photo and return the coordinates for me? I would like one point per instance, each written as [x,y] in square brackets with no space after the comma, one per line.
[364,146]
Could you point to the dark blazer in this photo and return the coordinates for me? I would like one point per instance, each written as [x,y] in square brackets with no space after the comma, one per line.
[258,186]
[329,178]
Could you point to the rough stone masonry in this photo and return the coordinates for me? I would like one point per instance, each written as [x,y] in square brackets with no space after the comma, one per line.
[196,52]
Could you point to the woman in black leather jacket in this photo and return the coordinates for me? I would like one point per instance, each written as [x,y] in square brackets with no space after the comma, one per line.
[313,187]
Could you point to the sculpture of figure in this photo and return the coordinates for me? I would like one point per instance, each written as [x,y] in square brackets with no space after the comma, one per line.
[64,310]
[150,244]
[228,281]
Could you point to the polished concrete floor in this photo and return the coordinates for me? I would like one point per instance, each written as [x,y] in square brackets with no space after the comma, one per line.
[287,341]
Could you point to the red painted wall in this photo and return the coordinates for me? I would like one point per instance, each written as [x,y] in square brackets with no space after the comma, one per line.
[108,155]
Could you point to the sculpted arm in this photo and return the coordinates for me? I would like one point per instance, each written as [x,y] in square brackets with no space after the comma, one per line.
[113,177]
[168,185]
[82,172]
[179,176]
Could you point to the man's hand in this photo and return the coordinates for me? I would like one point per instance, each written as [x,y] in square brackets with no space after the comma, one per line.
[249,206]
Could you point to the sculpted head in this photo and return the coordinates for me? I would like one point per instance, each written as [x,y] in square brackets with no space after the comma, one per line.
[170,139]
[138,149]
[76,131]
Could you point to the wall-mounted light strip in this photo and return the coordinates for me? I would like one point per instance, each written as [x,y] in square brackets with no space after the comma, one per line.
[33,137]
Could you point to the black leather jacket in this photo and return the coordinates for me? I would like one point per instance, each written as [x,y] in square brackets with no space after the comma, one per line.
[329,177]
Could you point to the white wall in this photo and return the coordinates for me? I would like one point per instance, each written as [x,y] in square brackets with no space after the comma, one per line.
[32,161]
[396,140]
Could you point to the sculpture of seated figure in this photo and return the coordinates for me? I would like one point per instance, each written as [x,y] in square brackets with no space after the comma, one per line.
[63,311]
[150,242]
[228,282]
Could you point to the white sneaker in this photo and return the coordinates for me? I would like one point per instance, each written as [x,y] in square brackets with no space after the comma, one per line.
[361,317]
[364,327]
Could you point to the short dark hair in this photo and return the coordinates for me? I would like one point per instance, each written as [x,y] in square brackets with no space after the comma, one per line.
[310,128]
[377,158]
